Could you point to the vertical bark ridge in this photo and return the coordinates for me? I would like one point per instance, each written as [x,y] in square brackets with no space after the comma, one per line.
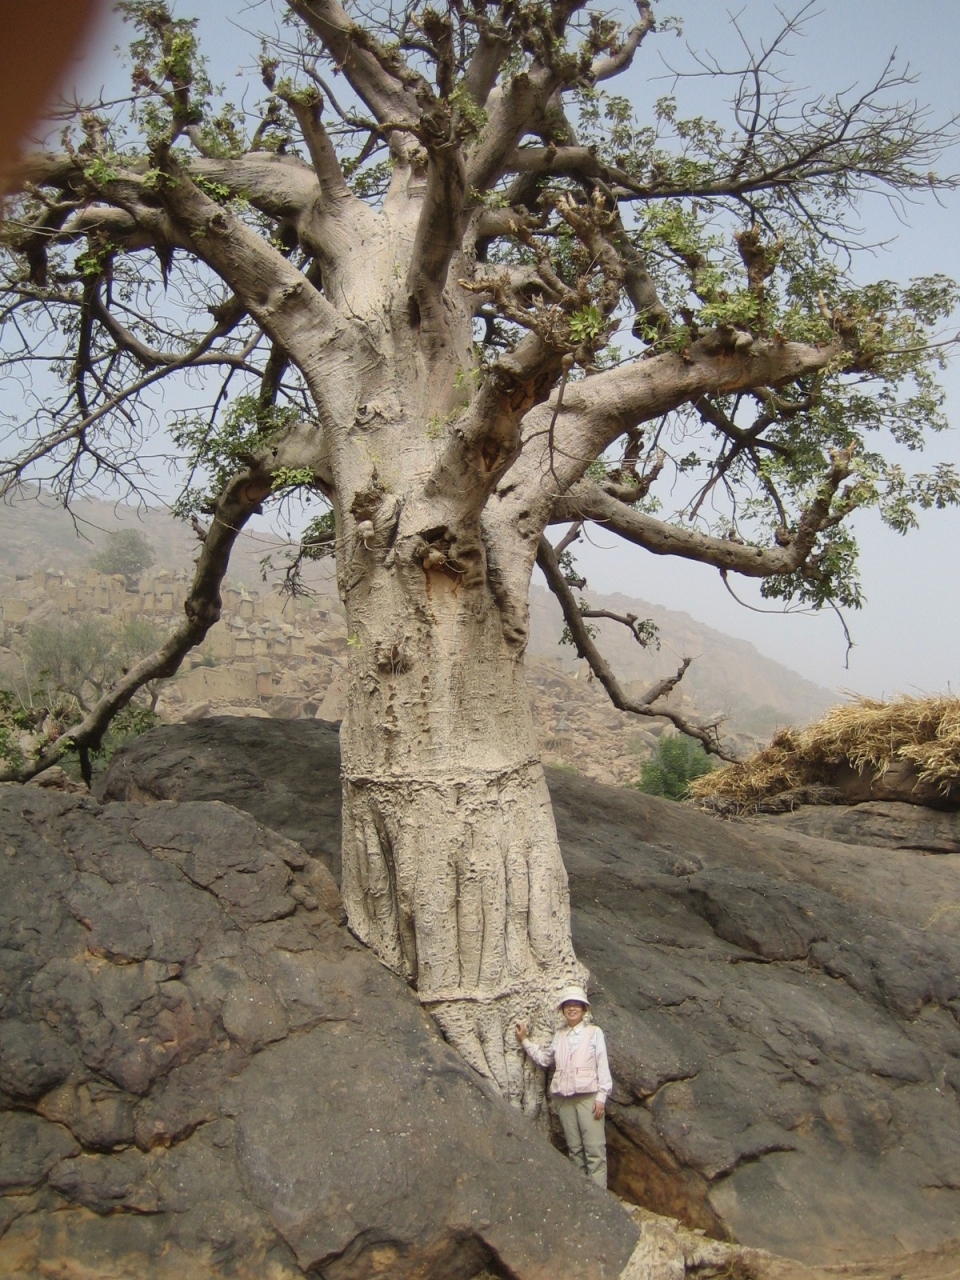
[452,871]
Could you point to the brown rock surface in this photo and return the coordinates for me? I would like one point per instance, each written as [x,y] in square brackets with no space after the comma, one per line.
[202,1074]
[899,782]
[782,1010]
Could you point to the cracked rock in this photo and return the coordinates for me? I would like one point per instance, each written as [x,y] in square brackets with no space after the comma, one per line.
[203,1074]
[781,1008]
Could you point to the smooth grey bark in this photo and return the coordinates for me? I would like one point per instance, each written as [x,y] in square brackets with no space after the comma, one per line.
[452,872]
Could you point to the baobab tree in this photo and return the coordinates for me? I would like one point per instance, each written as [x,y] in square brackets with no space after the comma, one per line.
[456,290]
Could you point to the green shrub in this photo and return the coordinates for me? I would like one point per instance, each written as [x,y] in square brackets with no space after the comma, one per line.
[673,766]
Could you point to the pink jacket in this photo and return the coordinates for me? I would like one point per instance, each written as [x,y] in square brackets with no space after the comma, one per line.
[583,1069]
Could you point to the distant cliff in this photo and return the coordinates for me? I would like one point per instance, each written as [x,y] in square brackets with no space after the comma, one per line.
[575,722]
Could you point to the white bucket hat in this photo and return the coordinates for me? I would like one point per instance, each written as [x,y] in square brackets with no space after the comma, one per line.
[573,993]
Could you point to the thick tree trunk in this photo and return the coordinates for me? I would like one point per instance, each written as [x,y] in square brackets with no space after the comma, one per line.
[451,868]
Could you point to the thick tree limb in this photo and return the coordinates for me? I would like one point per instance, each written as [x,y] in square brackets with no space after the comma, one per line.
[560,442]
[564,162]
[603,406]
[587,501]
[377,75]
[326,165]
[484,66]
[638,285]
[279,297]
[119,225]
[328,219]
[512,112]
[488,435]
[279,186]
[587,649]
[615,63]
[439,234]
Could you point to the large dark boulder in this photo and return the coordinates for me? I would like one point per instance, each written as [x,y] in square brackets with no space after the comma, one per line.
[202,1074]
[287,774]
[782,1010]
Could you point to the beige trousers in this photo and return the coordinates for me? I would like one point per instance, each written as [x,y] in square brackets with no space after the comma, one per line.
[585,1136]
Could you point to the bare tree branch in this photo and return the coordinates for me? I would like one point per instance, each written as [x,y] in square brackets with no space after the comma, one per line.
[707,734]
[629,620]
[151,358]
[240,499]
[587,501]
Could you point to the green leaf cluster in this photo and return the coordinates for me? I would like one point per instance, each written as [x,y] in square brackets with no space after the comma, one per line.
[220,448]
[14,720]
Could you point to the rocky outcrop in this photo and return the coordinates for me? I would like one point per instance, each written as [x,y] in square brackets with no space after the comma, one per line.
[202,1074]
[286,774]
[899,782]
[887,824]
[782,1010]
[782,1013]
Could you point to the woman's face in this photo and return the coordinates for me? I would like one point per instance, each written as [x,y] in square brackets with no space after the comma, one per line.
[573,1011]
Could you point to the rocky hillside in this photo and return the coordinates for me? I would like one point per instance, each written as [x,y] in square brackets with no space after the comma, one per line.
[729,677]
[260,669]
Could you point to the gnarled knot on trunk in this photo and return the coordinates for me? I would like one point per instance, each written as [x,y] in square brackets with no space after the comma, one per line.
[393,658]
[438,555]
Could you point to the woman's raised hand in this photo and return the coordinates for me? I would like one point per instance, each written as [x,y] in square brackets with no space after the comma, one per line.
[521,1030]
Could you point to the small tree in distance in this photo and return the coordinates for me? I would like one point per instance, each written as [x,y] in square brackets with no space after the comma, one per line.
[67,665]
[75,656]
[83,656]
[127,551]
[673,766]
[446,285]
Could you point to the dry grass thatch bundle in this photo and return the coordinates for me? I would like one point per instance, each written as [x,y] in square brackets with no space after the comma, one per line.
[865,734]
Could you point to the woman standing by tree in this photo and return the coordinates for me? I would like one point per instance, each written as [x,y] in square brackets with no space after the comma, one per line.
[581,1082]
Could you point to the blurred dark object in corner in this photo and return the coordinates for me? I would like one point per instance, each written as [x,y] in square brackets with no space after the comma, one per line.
[38,40]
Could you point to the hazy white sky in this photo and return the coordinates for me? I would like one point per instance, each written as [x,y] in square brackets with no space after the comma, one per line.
[905,635]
